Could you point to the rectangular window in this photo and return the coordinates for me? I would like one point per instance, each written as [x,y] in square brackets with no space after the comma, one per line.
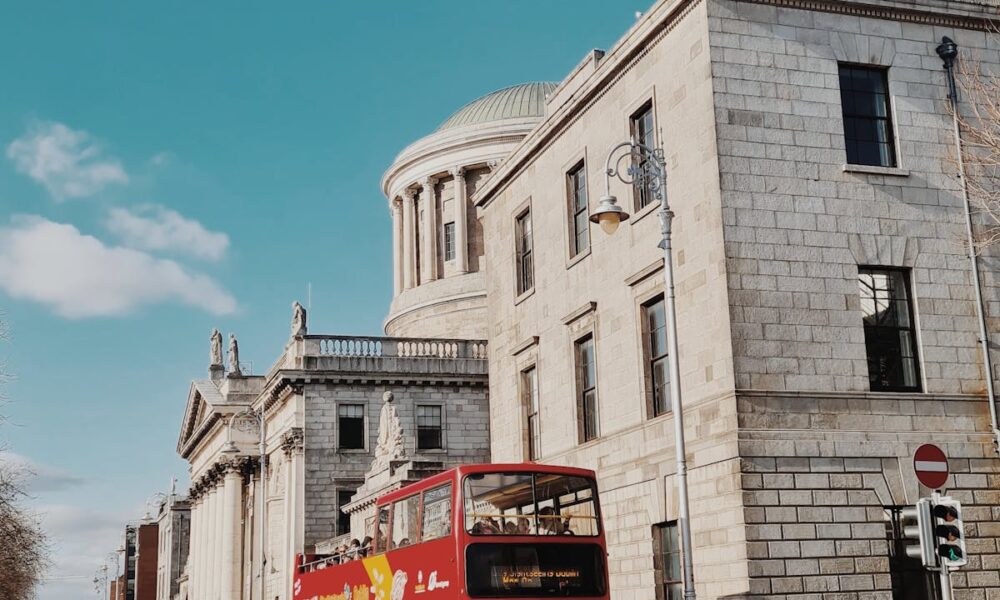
[429,428]
[586,378]
[667,560]
[351,426]
[449,241]
[890,339]
[525,268]
[437,513]
[641,126]
[655,330]
[576,182]
[343,519]
[864,97]
[529,396]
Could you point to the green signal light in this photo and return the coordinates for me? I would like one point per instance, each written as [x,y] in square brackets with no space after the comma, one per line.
[950,552]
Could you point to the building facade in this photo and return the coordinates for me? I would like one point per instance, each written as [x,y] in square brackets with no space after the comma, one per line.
[826,312]
[438,274]
[174,529]
[320,402]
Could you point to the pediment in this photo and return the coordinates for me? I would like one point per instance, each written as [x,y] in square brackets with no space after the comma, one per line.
[203,396]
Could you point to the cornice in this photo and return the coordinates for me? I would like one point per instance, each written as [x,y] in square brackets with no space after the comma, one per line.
[888,12]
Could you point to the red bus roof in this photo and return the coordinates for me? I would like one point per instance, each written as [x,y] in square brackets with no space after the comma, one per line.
[460,471]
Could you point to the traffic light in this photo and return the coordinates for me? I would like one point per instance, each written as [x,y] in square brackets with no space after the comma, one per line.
[949,532]
[918,525]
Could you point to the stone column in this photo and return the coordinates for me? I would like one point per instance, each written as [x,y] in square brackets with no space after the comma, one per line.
[428,271]
[217,531]
[192,539]
[211,552]
[397,259]
[409,239]
[231,533]
[198,540]
[461,221]
[294,525]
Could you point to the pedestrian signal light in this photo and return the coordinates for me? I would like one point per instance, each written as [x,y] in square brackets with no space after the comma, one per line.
[949,531]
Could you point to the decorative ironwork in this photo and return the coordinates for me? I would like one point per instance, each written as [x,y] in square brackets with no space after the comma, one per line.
[637,164]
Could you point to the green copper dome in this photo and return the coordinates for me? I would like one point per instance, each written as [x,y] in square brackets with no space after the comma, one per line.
[517,101]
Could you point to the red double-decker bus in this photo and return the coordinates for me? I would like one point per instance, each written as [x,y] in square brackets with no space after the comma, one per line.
[476,531]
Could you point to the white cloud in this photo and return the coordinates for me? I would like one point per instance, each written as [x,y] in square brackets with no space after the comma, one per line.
[79,276]
[81,541]
[159,228]
[67,162]
[39,478]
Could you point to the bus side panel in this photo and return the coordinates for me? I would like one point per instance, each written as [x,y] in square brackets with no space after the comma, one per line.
[425,571]
[349,581]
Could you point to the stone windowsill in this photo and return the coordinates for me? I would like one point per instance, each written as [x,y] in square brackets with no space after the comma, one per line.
[579,257]
[873,170]
[524,296]
[645,210]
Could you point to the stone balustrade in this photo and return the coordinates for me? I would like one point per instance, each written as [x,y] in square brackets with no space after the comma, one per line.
[304,352]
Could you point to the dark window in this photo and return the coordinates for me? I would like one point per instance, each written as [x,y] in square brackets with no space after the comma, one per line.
[586,377]
[576,181]
[534,570]
[343,519]
[449,241]
[910,580]
[641,125]
[667,561]
[890,339]
[351,425]
[525,268]
[864,97]
[655,328]
[429,428]
[529,395]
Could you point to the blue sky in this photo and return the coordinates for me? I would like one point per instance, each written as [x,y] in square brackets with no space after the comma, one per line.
[166,169]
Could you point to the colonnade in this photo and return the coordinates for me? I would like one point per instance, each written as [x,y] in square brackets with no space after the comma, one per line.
[223,553]
[415,221]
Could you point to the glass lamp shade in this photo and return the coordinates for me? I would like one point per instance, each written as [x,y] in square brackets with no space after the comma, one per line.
[609,222]
[608,215]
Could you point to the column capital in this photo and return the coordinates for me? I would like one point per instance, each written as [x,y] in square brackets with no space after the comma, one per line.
[458,172]
[395,205]
[292,441]
[409,194]
[427,182]
[492,164]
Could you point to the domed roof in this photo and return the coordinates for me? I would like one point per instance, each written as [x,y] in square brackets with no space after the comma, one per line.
[516,101]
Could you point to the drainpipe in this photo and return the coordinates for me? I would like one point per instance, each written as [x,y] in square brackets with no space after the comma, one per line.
[948,50]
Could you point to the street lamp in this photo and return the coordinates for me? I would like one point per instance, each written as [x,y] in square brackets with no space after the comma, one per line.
[246,421]
[644,166]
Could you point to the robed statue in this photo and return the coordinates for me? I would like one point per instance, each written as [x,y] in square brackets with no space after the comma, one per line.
[390,445]
[234,357]
[215,356]
[298,319]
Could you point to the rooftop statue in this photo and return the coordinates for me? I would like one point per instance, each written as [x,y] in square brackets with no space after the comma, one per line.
[234,357]
[298,319]
[215,356]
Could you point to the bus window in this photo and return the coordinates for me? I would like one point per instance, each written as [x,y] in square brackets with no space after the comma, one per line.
[567,504]
[492,499]
[404,522]
[382,529]
[437,513]
[530,504]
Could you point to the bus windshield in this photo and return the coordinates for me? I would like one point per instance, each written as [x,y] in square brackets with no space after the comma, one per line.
[530,504]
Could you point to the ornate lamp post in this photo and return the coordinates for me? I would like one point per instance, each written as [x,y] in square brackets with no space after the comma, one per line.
[645,166]
[247,421]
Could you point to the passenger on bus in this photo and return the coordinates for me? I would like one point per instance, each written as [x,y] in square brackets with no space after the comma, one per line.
[366,545]
[403,542]
[548,522]
[509,528]
[486,526]
[523,526]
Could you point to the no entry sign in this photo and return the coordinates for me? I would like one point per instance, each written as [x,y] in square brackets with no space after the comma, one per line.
[931,466]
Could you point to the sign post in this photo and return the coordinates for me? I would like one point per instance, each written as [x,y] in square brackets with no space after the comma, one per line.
[931,467]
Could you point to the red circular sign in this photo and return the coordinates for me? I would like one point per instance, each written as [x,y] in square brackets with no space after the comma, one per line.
[931,466]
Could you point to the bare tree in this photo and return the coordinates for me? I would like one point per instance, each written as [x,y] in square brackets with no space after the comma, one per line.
[979,120]
[23,546]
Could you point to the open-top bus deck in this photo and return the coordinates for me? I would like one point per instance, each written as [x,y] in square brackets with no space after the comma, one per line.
[520,531]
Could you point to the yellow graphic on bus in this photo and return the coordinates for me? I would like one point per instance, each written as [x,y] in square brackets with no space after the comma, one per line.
[381,576]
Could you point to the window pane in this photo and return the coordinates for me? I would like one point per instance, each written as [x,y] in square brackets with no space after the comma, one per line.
[437,513]
[505,504]
[383,529]
[343,519]
[864,100]
[449,241]
[351,426]
[589,415]
[429,427]
[661,389]
[404,522]
[524,245]
[890,341]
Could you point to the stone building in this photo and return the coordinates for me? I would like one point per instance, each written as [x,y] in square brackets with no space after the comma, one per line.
[140,546]
[438,274]
[173,522]
[320,403]
[826,316]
